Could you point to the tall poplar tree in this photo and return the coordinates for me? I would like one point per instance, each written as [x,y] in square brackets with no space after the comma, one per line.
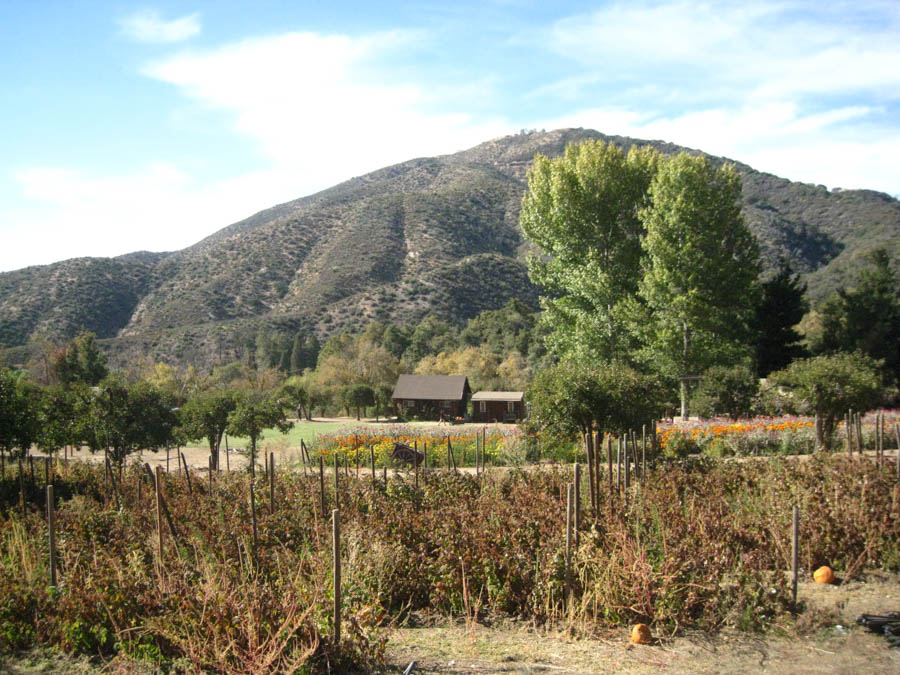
[702,263]
[581,211]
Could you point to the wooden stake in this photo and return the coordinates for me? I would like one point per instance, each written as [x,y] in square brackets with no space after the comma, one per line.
[569,538]
[211,462]
[794,552]
[253,517]
[272,482]
[897,435]
[159,516]
[187,474]
[372,456]
[643,452]
[115,487]
[51,531]
[577,497]
[322,484]
[167,458]
[859,437]
[336,572]
[22,486]
[847,428]
[609,469]
[337,485]
[227,453]
[416,461]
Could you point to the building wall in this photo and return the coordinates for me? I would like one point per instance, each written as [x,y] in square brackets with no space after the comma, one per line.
[499,411]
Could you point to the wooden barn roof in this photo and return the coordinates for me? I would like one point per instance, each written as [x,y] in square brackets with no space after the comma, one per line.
[432,387]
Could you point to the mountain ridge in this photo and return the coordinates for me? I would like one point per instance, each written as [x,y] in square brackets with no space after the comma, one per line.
[428,235]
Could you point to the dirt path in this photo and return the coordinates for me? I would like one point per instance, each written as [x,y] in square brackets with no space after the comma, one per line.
[838,647]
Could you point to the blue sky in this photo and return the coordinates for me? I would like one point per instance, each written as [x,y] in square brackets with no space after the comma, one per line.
[131,127]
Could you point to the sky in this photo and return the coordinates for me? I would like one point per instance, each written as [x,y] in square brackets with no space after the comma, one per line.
[128,127]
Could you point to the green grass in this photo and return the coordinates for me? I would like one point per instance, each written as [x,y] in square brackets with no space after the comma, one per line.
[305,431]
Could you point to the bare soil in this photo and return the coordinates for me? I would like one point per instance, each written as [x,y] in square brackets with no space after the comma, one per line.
[837,645]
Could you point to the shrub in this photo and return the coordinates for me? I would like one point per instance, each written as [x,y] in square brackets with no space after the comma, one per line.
[726,391]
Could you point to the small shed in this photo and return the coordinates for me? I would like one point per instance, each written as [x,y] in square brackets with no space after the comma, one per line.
[498,406]
[431,396]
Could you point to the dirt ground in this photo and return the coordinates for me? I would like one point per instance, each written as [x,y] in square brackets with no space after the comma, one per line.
[838,647]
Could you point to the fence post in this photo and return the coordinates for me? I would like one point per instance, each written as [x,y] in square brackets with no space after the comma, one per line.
[609,467]
[322,484]
[51,530]
[416,460]
[253,517]
[337,485]
[859,437]
[569,538]
[336,554]
[847,428]
[272,482]
[187,474]
[227,453]
[372,456]
[643,452]
[22,486]
[159,515]
[897,435]
[577,497]
[794,551]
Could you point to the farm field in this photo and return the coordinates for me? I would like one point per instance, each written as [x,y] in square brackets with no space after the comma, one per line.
[697,546]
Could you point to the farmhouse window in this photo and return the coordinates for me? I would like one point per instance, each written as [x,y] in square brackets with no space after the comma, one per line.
[482,406]
[446,405]
[511,406]
[409,404]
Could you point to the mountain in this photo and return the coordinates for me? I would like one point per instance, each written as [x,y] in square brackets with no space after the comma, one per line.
[428,235]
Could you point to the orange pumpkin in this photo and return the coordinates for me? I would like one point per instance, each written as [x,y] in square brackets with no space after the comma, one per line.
[640,634]
[824,575]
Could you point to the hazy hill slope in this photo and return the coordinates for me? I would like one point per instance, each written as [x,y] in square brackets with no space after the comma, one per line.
[428,235]
[96,294]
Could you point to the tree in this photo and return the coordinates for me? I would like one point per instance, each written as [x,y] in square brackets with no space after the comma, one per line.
[582,212]
[19,421]
[431,336]
[255,412]
[729,390]
[575,397]
[80,361]
[867,317]
[781,308]
[128,417]
[205,415]
[829,386]
[478,364]
[58,422]
[702,263]
[358,396]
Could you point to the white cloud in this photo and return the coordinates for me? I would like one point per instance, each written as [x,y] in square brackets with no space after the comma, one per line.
[158,207]
[149,26]
[773,137]
[762,49]
[321,105]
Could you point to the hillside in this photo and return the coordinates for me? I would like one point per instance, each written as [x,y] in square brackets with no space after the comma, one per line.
[428,235]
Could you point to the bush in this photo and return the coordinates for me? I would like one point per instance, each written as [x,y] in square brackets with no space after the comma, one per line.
[726,391]
[829,386]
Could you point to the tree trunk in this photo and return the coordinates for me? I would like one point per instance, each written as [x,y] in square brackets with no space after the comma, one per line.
[684,383]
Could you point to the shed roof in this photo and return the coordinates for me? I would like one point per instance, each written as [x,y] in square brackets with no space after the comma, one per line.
[432,387]
[498,396]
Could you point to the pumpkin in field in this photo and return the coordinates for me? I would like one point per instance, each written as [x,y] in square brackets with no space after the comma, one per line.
[824,575]
[640,634]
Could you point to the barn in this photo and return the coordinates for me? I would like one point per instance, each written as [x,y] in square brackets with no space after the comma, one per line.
[498,406]
[431,396]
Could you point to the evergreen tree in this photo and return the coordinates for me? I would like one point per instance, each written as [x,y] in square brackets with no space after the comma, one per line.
[782,307]
[866,318]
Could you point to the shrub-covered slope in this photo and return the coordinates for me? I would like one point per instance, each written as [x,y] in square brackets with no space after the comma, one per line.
[429,235]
